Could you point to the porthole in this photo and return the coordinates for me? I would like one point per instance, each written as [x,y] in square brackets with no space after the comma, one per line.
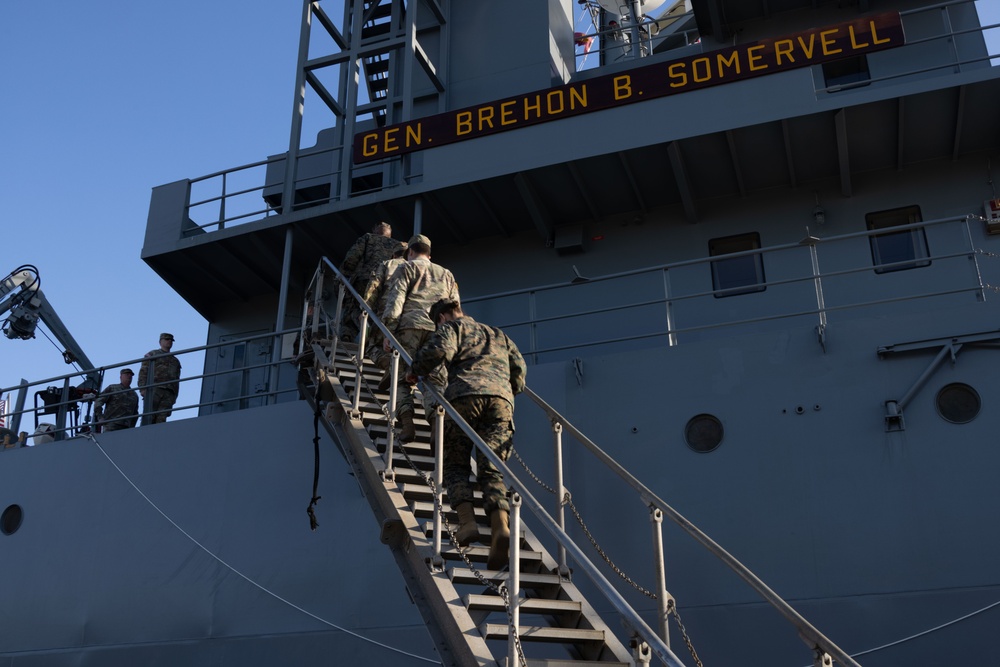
[703,433]
[10,520]
[958,403]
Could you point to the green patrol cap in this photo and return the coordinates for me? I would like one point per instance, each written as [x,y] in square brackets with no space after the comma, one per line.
[127,370]
[420,238]
[167,336]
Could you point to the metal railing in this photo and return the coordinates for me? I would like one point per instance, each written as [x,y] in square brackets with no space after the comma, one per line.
[217,203]
[315,318]
[543,320]
[69,410]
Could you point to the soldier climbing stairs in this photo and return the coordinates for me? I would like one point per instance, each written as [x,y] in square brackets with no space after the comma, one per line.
[457,596]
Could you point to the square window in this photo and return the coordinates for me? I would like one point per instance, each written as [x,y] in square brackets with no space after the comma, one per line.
[737,275]
[897,251]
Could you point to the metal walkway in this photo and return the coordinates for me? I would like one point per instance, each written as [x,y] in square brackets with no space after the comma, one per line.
[531,614]
[459,599]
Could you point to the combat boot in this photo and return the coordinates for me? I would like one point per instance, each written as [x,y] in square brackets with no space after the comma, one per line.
[383,384]
[407,430]
[500,540]
[468,529]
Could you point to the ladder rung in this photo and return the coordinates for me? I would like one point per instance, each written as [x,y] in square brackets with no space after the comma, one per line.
[530,580]
[479,554]
[573,663]
[529,606]
[535,633]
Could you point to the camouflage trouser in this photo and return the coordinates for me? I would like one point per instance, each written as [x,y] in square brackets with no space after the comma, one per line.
[411,340]
[380,357]
[492,418]
[114,426]
[159,399]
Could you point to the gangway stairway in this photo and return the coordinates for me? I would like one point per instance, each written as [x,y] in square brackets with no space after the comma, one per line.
[459,600]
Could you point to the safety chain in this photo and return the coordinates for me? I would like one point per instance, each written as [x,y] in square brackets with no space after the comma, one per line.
[671,603]
[501,590]
[567,500]
[672,610]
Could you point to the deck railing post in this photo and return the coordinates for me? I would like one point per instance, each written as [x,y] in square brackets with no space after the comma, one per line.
[438,480]
[560,513]
[662,599]
[514,581]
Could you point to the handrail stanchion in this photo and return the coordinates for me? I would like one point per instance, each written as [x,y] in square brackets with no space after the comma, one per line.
[317,303]
[393,390]
[338,313]
[359,367]
[514,580]
[560,512]
[438,480]
[656,519]
[62,412]
[15,421]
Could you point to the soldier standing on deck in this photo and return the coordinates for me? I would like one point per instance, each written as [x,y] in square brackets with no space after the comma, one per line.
[485,370]
[117,407]
[415,286]
[165,372]
[359,267]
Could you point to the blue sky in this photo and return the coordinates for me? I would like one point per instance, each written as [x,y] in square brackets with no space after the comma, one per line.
[101,102]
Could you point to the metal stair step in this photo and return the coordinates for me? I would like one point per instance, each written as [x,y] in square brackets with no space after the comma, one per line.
[423,492]
[529,580]
[529,606]
[556,662]
[479,554]
[529,633]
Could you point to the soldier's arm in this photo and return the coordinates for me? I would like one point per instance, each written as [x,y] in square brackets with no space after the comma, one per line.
[398,288]
[518,369]
[352,258]
[439,349]
[99,402]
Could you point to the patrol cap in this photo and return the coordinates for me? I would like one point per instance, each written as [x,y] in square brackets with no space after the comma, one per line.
[420,238]
[127,370]
[167,336]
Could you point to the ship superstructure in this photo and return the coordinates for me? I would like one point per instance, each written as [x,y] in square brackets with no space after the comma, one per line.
[747,248]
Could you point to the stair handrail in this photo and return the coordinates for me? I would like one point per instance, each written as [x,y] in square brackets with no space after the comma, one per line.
[805,628]
[810,634]
[629,616]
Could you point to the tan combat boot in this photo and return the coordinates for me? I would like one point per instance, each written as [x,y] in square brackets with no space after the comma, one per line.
[407,431]
[500,541]
[468,529]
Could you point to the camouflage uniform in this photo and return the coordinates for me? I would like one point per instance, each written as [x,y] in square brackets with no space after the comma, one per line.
[485,371]
[360,264]
[415,287]
[167,369]
[117,407]
[375,296]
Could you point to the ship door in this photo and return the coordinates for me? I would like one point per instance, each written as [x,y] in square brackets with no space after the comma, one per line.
[243,372]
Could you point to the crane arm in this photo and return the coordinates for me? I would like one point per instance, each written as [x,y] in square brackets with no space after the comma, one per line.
[21,294]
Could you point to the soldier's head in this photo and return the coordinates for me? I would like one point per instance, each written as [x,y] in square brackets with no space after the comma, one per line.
[382,229]
[126,377]
[400,250]
[420,246]
[445,310]
[166,341]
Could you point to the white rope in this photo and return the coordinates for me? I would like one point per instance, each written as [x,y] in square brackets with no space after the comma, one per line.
[926,632]
[243,576]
